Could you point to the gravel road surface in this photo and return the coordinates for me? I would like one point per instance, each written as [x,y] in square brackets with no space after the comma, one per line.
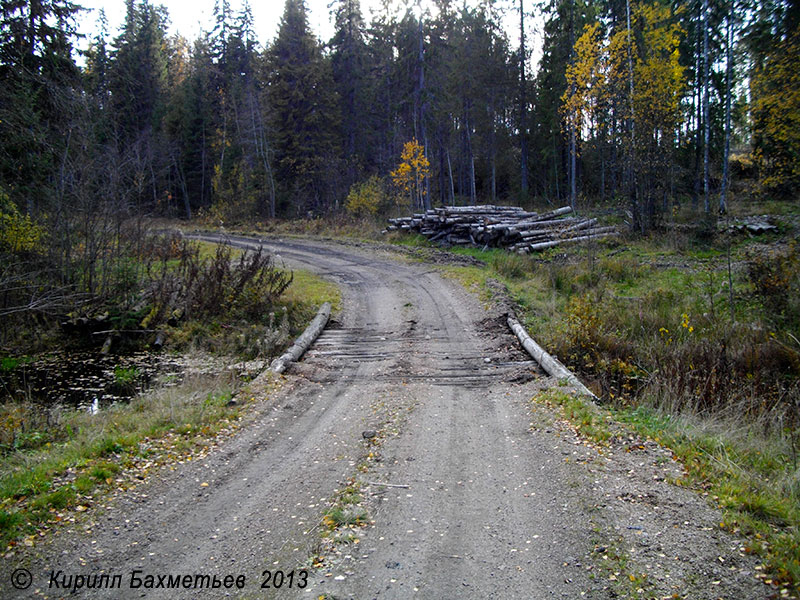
[488,495]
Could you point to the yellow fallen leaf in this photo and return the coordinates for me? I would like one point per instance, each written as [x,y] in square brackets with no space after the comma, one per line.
[204,484]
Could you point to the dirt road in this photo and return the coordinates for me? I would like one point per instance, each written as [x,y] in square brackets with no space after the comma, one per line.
[500,499]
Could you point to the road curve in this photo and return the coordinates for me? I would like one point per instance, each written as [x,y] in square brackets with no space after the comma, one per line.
[492,508]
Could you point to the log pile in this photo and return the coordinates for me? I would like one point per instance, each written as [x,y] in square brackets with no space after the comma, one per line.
[501,227]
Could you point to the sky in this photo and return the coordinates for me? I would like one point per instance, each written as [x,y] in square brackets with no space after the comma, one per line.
[190,17]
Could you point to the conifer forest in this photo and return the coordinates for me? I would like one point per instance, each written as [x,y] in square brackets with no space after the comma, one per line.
[649,103]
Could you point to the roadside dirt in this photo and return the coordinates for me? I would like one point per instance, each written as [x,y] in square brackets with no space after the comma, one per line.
[413,386]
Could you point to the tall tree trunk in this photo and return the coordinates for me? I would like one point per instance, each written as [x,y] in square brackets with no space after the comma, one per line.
[723,199]
[573,187]
[492,154]
[441,174]
[556,176]
[452,187]
[470,158]
[523,104]
[187,207]
[706,121]
[635,210]
[425,202]
[203,166]
[426,198]
[698,112]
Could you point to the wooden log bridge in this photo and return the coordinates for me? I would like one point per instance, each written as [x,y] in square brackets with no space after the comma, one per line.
[302,343]
[508,227]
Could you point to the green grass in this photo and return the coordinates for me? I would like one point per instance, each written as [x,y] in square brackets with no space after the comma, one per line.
[646,322]
[341,517]
[9,363]
[345,513]
[589,420]
[312,290]
[97,448]
[753,478]
[125,375]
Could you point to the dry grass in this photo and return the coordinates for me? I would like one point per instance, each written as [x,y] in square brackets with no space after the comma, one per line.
[649,324]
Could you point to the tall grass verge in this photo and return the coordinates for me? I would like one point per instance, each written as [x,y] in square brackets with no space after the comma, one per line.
[710,369]
[54,460]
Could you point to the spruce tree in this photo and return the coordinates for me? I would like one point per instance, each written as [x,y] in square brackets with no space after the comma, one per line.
[349,62]
[39,85]
[302,104]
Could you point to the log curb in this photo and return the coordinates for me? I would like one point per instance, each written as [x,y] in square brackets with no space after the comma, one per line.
[301,344]
[549,363]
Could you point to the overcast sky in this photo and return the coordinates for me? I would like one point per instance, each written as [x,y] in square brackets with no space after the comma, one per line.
[189,17]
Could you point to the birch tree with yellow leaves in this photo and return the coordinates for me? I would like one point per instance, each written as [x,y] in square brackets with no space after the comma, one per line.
[659,85]
[635,78]
[411,173]
[580,101]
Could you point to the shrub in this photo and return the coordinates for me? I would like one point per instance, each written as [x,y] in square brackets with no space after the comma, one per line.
[775,281]
[246,288]
[366,197]
[17,232]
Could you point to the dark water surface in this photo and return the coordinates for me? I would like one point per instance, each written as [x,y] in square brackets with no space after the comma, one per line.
[75,379]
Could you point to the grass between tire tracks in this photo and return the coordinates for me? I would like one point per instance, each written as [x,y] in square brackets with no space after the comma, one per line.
[350,508]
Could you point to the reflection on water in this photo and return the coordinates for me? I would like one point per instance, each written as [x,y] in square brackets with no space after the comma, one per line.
[76,379]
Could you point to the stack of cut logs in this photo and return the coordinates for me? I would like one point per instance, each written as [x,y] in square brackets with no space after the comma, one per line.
[501,226]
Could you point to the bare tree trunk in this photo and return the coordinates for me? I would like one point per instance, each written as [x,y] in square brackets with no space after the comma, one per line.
[523,104]
[706,121]
[573,188]
[698,112]
[468,147]
[203,168]
[425,202]
[723,200]
[492,154]
[184,192]
[427,195]
[635,210]
[555,170]
[452,187]
[262,150]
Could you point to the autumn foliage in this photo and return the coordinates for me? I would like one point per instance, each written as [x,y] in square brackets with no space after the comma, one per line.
[634,78]
[366,197]
[411,173]
[775,87]
[18,233]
